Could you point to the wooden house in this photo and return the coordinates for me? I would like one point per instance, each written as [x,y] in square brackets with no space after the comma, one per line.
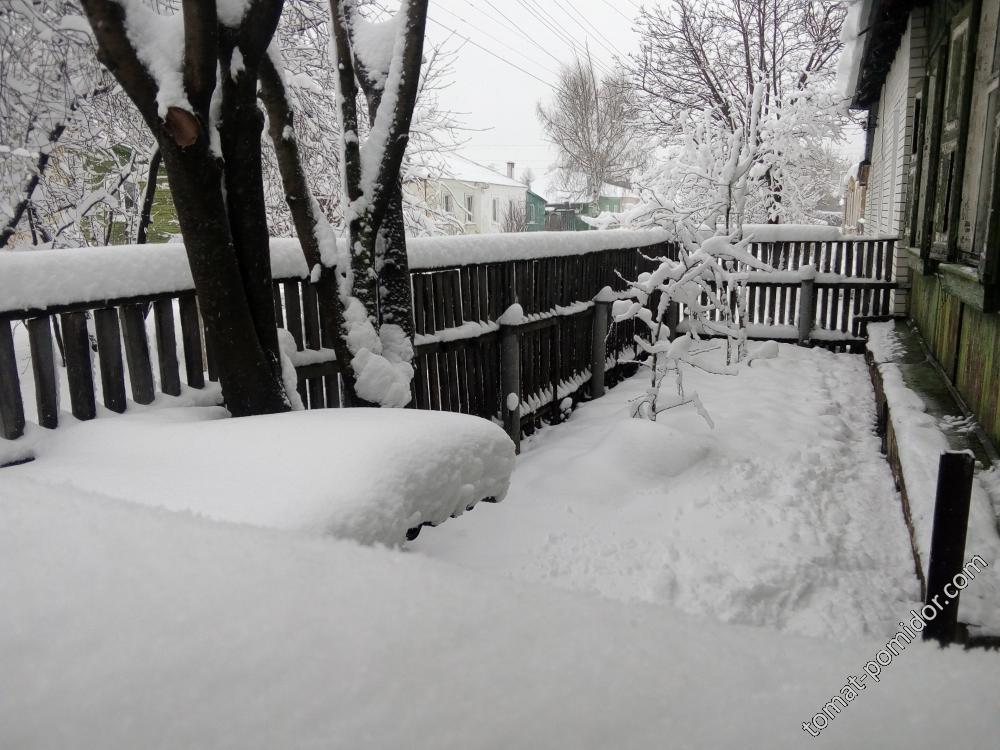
[928,73]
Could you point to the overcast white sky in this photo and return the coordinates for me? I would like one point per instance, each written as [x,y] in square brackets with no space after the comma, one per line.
[535,36]
[495,95]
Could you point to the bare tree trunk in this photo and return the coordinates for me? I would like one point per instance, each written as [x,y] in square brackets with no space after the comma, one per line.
[250,383]
[145,217]
[379,268]
[244,184]
[395,295]
[225,237]
[281,124]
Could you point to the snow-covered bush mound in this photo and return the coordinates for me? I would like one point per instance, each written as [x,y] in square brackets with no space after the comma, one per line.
[363,474]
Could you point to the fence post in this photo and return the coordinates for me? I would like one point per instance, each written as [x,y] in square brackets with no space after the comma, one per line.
[951,521]
[599,340]
[807,303]
[672,318]
[510,382]
[11,405]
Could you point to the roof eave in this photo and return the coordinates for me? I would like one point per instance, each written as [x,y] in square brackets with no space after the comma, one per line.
[884,29]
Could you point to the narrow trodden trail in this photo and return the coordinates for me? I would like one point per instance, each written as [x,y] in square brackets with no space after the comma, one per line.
[785,515]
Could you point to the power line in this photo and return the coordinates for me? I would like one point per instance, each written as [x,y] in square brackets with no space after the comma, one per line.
[490,52]
[512,26]
[615,9]
[576,19]
[611,46]
[552,25]
[596,61]
[499,41]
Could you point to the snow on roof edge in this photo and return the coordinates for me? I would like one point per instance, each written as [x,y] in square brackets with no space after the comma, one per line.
[461,168]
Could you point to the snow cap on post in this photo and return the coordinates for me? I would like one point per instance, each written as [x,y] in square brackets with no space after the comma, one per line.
[512,316]
[606,294]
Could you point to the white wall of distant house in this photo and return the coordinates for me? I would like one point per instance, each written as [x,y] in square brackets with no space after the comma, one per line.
[488,202]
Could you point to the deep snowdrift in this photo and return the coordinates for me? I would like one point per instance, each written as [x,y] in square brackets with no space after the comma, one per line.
[364,474]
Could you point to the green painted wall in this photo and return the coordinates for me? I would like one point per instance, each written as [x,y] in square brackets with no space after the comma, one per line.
[966,342]
[611,205]
[536,212]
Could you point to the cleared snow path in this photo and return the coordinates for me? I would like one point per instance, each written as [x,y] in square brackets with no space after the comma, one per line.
[785,515]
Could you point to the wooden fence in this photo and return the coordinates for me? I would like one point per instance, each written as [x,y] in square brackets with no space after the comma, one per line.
[465,361]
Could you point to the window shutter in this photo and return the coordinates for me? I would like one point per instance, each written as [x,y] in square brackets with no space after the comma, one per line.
[947,193]
[934,103]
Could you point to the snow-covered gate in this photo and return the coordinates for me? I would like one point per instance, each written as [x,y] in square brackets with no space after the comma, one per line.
[470,357]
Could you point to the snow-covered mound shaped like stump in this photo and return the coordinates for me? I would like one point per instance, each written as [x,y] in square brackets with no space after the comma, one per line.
[364,474]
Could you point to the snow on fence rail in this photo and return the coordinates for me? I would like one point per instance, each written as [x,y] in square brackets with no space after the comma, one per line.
[98,300]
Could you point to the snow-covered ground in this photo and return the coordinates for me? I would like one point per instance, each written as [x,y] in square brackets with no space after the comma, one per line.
[130,626]
[127,627]
[784,515]
[921,440]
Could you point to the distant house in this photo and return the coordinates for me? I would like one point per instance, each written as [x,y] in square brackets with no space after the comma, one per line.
[928,73]
[855,186]
[535,212]
[566,204]
[476,198]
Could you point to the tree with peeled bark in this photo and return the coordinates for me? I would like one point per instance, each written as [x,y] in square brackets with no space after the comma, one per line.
[208,130]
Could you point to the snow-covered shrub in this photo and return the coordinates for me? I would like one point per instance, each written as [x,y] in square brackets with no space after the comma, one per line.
[699,195]
[697,282]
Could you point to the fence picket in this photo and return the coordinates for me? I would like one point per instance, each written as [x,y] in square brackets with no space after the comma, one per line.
[79,369]
[166,346]
[43,367]
[194,368]
[11,404]
[140,369]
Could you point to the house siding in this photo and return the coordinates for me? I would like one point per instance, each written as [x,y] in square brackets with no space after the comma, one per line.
[966,342]
[947,304]
[535,206]
[892,149]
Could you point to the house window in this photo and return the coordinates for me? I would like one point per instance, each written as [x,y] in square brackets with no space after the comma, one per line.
[496,210]
[530,215]
[469,213]
[448,207]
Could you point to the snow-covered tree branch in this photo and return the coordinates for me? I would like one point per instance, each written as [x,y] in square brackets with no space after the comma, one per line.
[704,59]
[592,121]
